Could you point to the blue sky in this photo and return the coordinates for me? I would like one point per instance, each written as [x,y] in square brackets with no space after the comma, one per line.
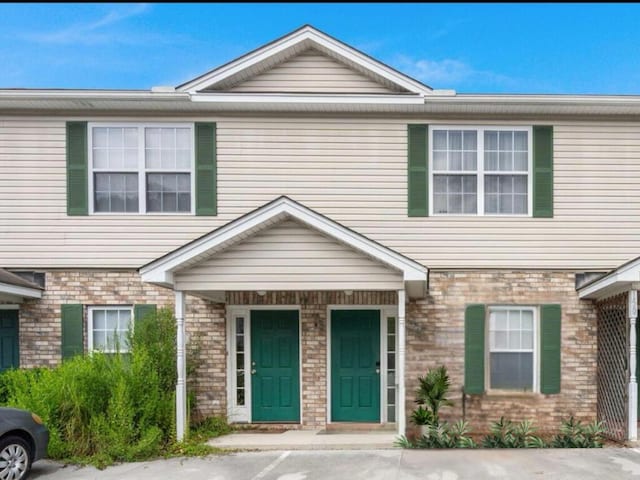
[530,48]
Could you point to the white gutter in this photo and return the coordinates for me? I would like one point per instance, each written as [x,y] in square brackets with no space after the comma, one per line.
[20,291]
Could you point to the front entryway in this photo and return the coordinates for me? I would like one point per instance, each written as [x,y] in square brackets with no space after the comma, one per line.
[275,371]
[355,365]
[9,354]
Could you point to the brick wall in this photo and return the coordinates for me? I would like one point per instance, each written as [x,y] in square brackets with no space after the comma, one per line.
[435,336]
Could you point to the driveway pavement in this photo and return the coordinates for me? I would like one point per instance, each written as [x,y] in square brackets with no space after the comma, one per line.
[601,464]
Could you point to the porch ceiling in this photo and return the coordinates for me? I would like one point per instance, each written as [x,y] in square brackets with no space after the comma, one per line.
[284,245]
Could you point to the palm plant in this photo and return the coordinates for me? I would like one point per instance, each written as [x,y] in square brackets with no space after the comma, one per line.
[432,391]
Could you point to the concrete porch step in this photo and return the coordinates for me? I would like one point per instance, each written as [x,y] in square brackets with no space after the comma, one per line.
[305,440]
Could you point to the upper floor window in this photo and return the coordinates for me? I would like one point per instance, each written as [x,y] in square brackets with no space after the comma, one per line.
[480,170]
[141,168]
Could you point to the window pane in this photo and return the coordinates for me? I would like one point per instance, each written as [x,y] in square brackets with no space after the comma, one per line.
[527,320]
[491,161]
[131,138]
[505,161]
[470,161]
[99,340]
[470,140]
[111,190]
[440,140]
[490,140]
[455,161]
[391,414]
[499,319]
[439,160]
[168,159]
[440,203]
[152,138]
[116,158]
[240,345]
[115,137]
[183,138]
[520,161]
[520,141]
[168,138]
[455,203]
[183,159]
[512,370]
[455,140]
[454,183]
[100,137]
[514,320]
[527,340]
[153,158]
[100,158]
[391,325]
[240,325]
[440,183]
[500,340]
[391,361]
[99,319]
[470,204]
[112,320]
[163,189]
[519,184]
[505,140]
[490,203]
[514,340]
[130,158]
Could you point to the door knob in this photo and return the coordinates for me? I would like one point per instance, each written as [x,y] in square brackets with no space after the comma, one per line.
[253,371]
[377,370]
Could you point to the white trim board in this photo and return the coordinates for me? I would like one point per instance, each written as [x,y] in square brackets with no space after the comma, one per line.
[14,290]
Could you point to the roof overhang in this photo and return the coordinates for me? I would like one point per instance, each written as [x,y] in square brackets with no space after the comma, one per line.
[161,271]
[16,289]
[625,277]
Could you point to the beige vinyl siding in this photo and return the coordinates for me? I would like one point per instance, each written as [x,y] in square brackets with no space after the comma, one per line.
[352,170]
[311,71]
[289,256]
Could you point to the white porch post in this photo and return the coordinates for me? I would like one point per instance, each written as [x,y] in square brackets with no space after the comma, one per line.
[181,386]
[633,383]
[401,363]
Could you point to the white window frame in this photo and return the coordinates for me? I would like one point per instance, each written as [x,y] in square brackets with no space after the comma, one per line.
[93,308]
[536,347]
[480,171]
[141,170]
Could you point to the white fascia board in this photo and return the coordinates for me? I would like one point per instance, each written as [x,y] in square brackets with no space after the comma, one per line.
[625,276]
[20,291]
[317,98]
[312,35]
[157,271]
[108,94]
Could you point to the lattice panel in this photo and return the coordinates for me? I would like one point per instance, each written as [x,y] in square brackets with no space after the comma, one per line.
[613,374]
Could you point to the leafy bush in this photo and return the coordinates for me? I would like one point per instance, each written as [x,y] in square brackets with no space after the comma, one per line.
[422,416]
[432,392]
[102,408]
[573,434]
[506,434]
[443,435]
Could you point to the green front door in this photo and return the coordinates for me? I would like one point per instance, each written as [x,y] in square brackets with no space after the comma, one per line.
[9,353]
[355,365]
[275,380]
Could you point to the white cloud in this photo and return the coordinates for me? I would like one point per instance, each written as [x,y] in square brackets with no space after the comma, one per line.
[93,32]
[448,72]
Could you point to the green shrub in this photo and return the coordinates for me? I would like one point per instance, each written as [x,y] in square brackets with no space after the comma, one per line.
[506,434]
[443,435]
[573,434]
[432,392]
[103,408]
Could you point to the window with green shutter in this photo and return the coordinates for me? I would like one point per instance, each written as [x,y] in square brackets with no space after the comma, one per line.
[206,169]
[72,339]
[417,164]
[77,180]
[543,171]
[474,348]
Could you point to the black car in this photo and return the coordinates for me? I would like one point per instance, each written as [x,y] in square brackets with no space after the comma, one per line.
[23,440]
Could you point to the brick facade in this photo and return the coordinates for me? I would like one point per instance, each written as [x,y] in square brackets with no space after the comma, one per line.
[435,336]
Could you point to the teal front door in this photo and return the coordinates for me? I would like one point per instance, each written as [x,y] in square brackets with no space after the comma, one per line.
[275,370]
[355,365]
[9,353]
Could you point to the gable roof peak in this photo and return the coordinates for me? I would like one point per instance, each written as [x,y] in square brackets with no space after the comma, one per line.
[303,38]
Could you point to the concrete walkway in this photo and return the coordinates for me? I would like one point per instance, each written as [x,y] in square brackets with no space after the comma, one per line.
[305,440]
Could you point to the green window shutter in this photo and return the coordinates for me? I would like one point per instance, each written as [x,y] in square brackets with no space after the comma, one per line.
[550,334]
[418,170]
[72,340]
[206,174]
[77,184]
[474,319]
[543,171]
[142,310]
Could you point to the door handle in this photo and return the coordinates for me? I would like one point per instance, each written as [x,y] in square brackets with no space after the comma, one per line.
[253,371]
[378,367]
[378,371]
